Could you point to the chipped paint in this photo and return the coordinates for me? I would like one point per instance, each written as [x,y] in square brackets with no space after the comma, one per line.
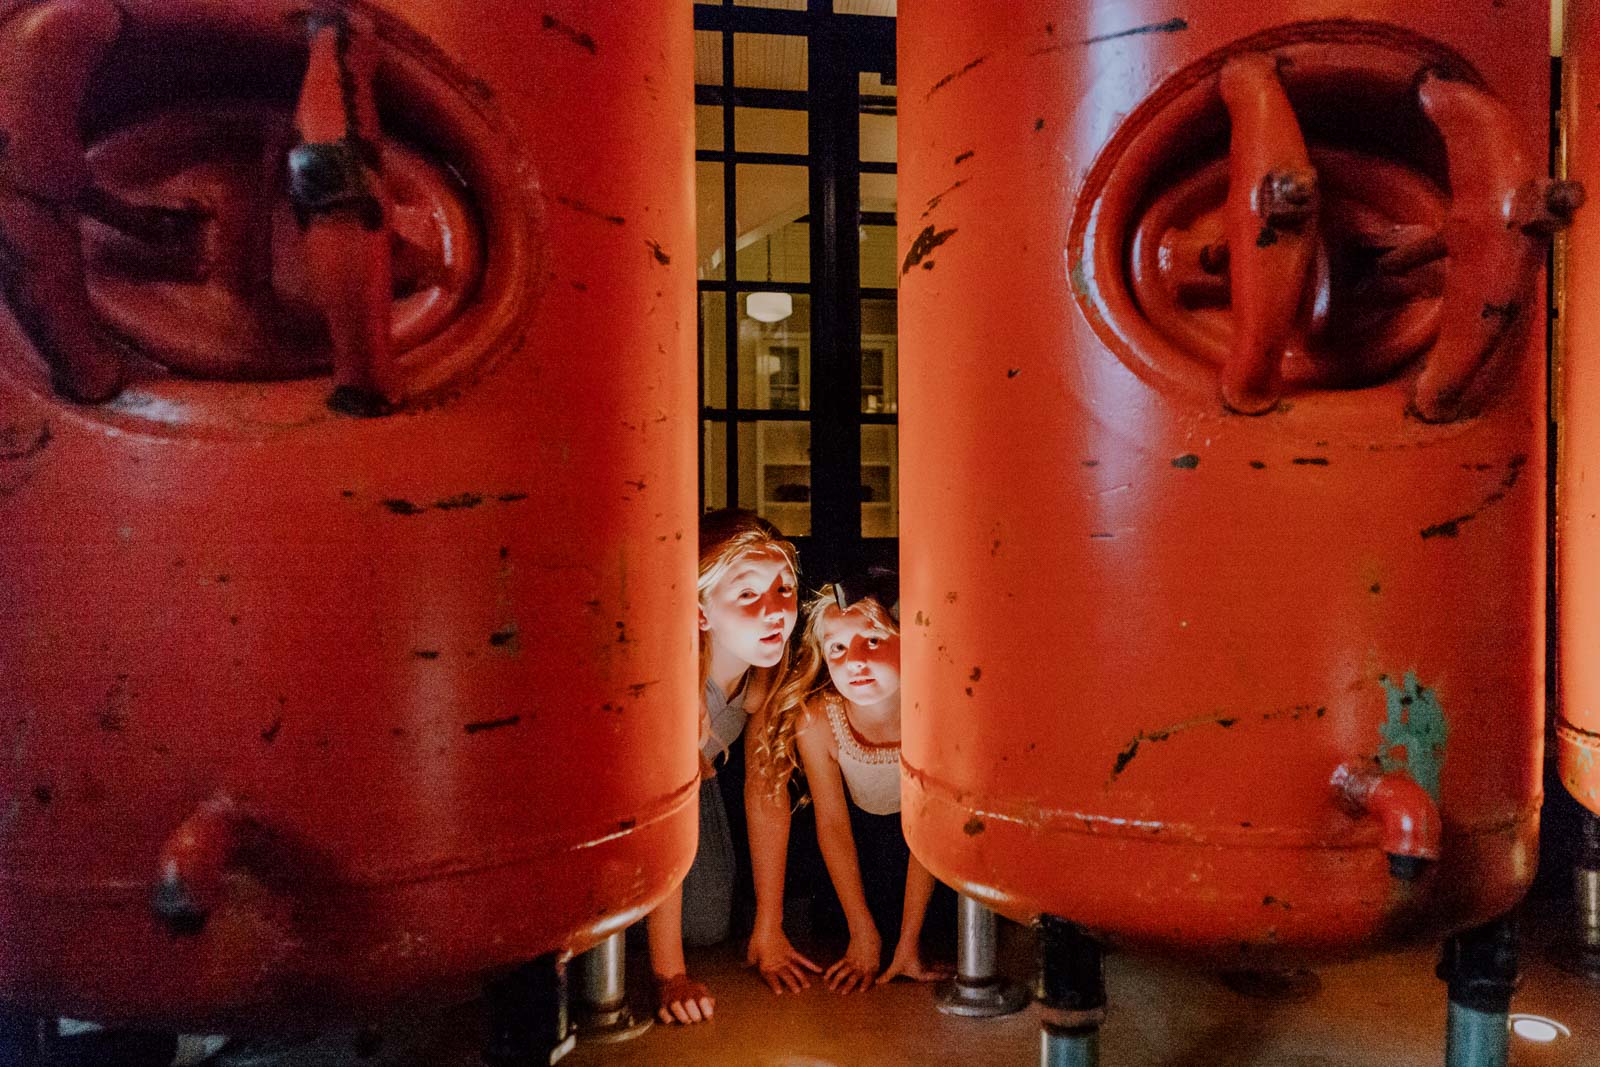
[953,75]
[1452,527]
[1415,726]
[925,243]
[1224,720]
[572,33]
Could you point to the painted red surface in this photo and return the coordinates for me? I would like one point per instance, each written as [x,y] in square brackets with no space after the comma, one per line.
[1144,629]
[388,702]
[1578,529]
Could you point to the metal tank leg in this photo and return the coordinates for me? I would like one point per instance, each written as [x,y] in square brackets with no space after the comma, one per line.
[601,1012]
[978,990]
[1581,954]
[1072,995]
[527,1015]
[1480,966]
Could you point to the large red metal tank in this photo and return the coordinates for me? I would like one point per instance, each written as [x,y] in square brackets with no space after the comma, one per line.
[1223,462]
[1577,507]
[345,641]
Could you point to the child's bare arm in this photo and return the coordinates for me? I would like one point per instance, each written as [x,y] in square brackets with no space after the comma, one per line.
[682,998]
[768,819]
[859,967]
[907,952]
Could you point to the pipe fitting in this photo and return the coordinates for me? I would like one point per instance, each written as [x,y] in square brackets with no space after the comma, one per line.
[1411,830]
[194,863]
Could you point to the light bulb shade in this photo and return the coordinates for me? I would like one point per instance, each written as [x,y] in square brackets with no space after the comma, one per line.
[769,307]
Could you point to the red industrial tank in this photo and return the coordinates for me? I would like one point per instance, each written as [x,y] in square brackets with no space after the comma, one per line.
[347,486]
[1223,462]
[1577,505]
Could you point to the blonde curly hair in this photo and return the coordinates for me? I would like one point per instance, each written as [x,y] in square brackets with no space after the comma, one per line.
[780,755]
[726,536]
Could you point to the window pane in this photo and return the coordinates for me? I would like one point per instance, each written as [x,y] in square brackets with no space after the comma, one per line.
[708,223]
[707,57]
[880,481]
[877,192]
[782,255]
[715,464]
[775,357]
[879,267]
[707,127]
[877,137]
[767,129]
[787,5]
[770,199]
[879,357]
[870,83]
[864,7]
[775,473]
[769,61]
[714,349]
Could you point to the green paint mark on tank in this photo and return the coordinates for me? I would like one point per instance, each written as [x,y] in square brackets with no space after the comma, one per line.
[1079,278]
[1414,733]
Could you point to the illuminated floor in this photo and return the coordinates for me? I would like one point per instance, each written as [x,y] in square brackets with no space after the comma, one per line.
[1385,1012]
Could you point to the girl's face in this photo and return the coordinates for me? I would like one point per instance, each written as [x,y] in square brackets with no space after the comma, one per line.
[863,657]
[749,612]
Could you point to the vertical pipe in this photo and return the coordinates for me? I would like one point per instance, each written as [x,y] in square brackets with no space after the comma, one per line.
[600,978]
[1476,1038]
[978,932]
[1583,953]
[978,991]
[527,1015]
[600,974]
[1071,992]
[1480,966]
[1069,1049]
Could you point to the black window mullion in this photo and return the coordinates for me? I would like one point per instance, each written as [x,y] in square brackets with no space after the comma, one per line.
[730,304]
[835,304]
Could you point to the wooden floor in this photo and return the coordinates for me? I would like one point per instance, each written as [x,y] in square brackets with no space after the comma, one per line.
[1382,1012]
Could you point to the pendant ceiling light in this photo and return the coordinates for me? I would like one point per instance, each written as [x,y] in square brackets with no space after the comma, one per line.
[765,306]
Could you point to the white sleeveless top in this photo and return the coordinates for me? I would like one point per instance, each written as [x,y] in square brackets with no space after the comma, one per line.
[871,772]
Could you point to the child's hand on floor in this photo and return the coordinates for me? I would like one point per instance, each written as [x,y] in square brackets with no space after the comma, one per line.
[779,962]
[683,1000]
[858,967]
[907,963]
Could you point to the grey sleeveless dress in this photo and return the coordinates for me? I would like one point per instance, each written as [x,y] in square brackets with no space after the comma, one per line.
[708,887]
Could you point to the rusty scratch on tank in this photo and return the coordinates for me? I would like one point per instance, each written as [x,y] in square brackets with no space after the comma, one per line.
[1225,721]
[571,33]
[587,209]
[953,75]
[1172,25]
[463,501]
[934,202]
[923,246]
[492,724]
[1452,527]
[658,252]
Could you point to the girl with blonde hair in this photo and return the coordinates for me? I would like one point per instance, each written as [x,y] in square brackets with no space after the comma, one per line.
[840,728]
[748,606]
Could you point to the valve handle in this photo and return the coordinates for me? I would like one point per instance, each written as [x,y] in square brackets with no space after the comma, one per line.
[50,52]
[1502,213]
[1271,218]
[340,201]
